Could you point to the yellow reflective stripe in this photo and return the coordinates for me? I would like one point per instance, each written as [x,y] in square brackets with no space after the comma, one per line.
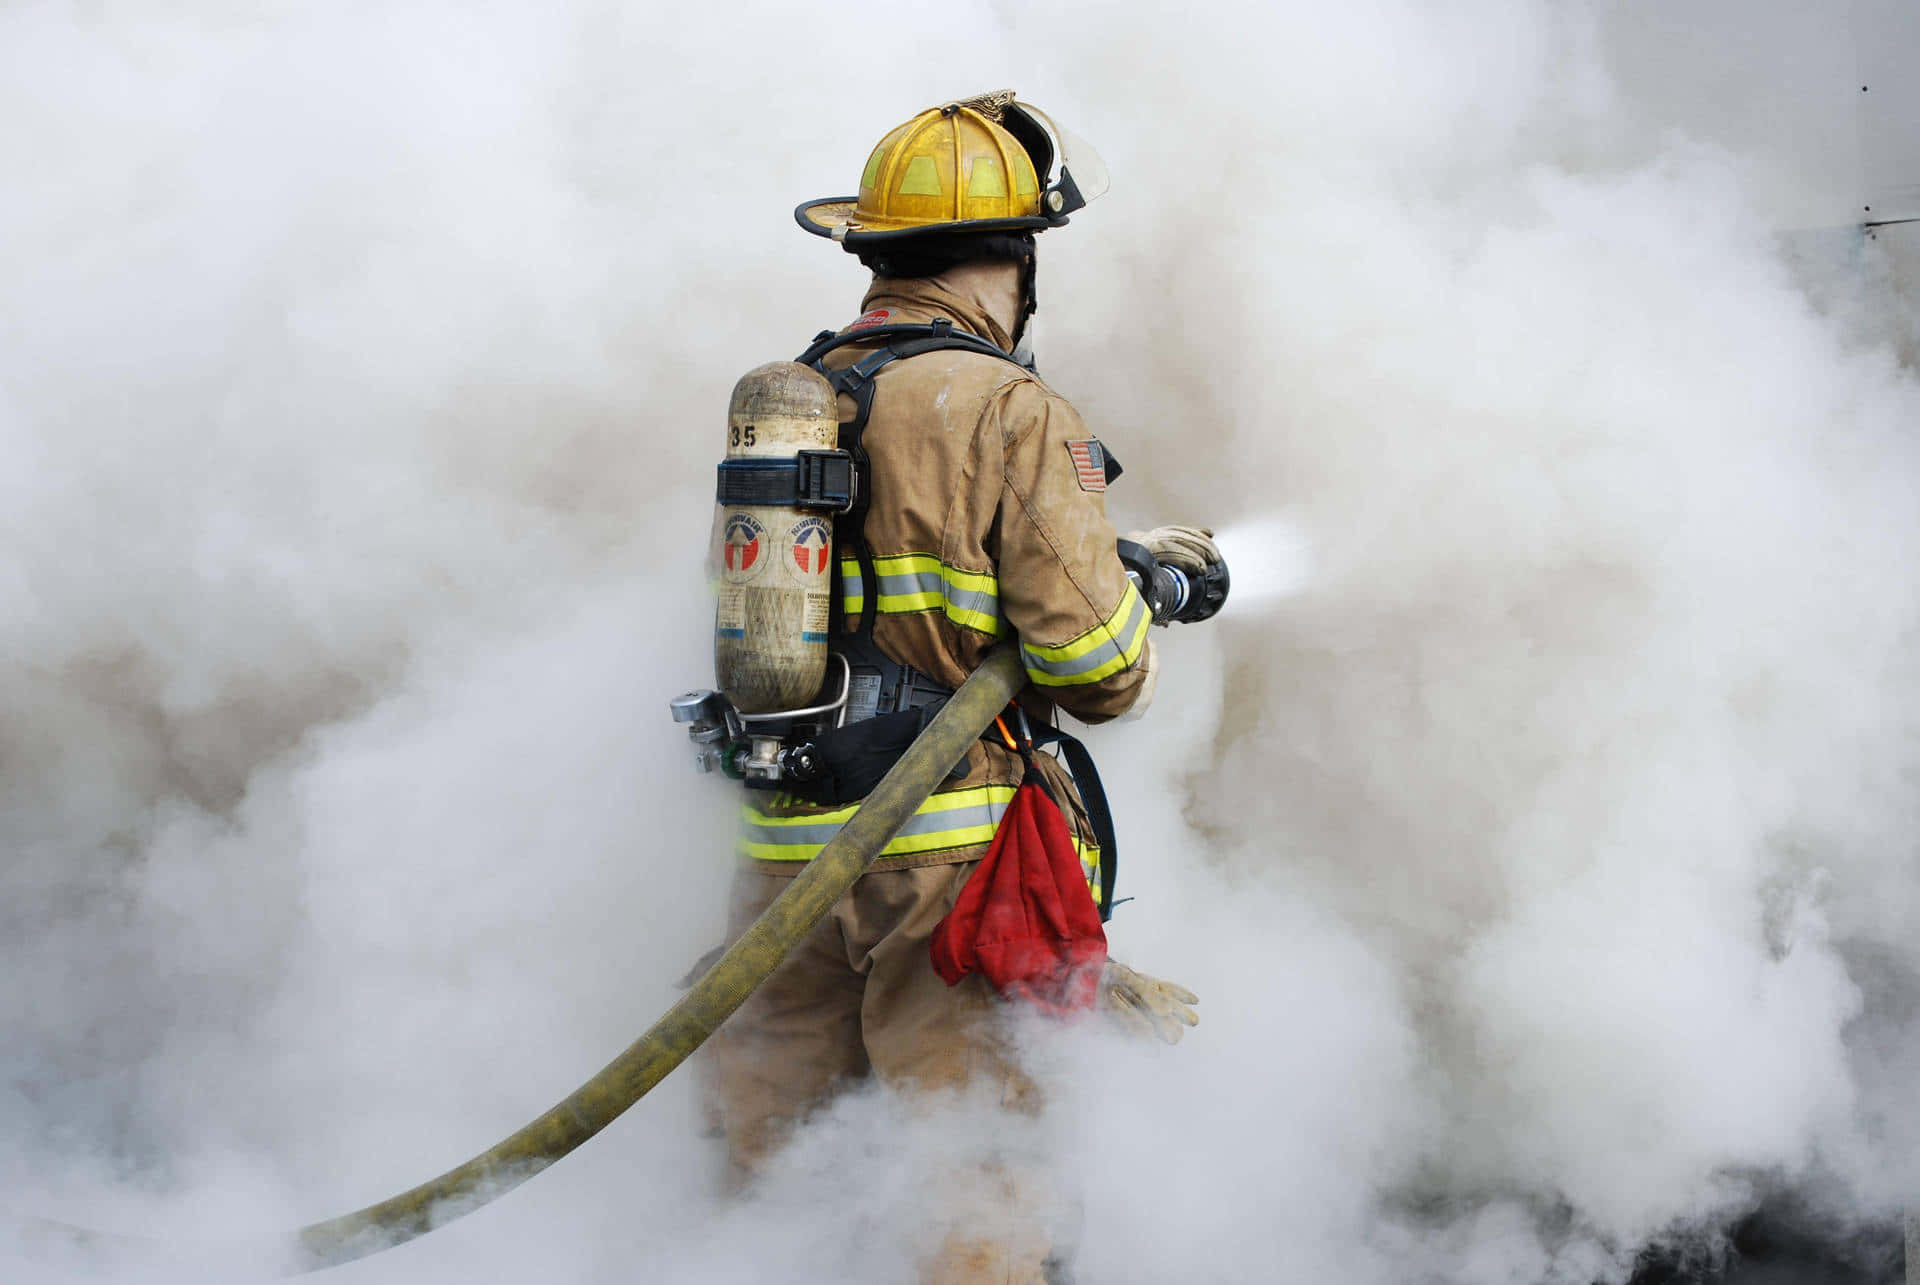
[956,819]
[1094,637]
[911,582]
[991,626]
[921,178]
[985,179]
[978,582]
[853,595]
[1089,865]
[973,600]
[1109,647]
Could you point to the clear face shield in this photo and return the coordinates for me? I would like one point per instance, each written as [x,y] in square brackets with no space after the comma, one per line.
[1083,174]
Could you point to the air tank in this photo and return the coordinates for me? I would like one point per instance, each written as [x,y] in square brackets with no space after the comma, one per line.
[774,569]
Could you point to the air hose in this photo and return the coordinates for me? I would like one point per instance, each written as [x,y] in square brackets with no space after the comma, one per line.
[734,976]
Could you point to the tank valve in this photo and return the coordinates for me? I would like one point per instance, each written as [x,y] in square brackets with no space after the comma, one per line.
[711,726]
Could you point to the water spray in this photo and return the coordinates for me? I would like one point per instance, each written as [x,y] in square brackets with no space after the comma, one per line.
[1271,557]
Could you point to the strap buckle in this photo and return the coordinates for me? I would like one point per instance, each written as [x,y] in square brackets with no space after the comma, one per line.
[823,481]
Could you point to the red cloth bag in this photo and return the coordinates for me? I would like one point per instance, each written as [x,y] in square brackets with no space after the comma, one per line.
[1026,920]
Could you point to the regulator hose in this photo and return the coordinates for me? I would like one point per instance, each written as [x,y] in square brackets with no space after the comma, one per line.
[684,1027]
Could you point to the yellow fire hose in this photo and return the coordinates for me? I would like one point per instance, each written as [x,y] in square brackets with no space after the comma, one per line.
[669,1041]
[684,1027]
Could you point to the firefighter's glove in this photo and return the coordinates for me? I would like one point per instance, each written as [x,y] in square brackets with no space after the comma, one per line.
[1146,1005]
[1188,548]
[1189,580]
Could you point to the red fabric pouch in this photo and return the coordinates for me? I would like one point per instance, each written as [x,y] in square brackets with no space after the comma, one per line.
[1025,920]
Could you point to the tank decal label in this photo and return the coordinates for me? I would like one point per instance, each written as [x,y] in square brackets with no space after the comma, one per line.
[811,541]
[819,607]
[743,555]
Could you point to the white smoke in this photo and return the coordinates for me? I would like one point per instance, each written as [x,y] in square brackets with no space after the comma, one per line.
[1537,823]
[1268,558]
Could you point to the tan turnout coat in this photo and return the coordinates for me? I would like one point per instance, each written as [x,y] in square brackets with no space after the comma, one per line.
[987,519]
[986,522]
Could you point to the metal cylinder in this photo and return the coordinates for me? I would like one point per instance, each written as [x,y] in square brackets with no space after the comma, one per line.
[775,561]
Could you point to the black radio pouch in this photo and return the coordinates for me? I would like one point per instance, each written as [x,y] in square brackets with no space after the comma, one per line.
[842,765]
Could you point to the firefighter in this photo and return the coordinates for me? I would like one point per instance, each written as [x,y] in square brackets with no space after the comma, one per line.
[984,518]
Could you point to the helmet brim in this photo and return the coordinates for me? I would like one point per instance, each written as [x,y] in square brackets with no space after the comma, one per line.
[832,217]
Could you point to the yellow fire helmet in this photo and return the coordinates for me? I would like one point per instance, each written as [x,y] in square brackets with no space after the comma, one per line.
[977,165]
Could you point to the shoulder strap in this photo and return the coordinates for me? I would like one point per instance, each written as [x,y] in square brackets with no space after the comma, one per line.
[856,381]
[903,340]
[1093,795]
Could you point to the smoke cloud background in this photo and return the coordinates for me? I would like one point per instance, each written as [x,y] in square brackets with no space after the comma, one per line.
[1546,865]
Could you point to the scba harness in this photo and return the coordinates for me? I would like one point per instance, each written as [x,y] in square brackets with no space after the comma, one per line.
[884,704]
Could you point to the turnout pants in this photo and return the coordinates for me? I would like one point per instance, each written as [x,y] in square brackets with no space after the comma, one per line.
[859,997]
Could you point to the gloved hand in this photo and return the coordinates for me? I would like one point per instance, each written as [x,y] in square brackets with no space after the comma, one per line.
[1146,1005]
[1189,579]
[1190,548]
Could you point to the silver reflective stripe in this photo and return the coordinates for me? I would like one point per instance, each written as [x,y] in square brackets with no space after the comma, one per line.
[984,601]
[894,584]
[927,822]
[1109,651]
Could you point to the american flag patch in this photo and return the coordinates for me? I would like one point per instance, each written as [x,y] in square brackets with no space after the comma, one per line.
[1090,462]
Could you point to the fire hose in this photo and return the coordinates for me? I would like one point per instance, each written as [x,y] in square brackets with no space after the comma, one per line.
[696,1015]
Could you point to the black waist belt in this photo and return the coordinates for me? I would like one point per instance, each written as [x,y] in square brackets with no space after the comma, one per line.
[844,764]
[878,685]
[888,705]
